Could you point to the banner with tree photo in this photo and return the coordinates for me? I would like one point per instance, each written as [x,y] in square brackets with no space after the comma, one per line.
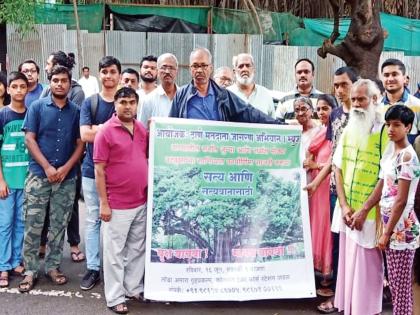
[227,216]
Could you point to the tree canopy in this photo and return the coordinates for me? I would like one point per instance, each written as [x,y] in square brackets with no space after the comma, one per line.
[271,218]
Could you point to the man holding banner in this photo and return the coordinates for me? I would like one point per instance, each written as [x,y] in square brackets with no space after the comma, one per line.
[204,99]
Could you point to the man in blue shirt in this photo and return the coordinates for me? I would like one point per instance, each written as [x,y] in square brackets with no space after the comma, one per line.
[31,70]
[204,99]
[53,141]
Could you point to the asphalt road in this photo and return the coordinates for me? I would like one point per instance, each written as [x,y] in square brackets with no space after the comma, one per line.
[69,299]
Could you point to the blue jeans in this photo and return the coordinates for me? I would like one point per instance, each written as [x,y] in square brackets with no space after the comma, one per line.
[92,224]
[11,230]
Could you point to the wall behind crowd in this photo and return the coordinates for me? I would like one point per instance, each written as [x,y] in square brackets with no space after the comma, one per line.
[274,64]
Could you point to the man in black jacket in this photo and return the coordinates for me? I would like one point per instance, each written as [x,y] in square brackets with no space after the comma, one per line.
[204,99]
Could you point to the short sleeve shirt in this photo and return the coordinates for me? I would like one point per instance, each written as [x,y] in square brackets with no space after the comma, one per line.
[57,132]
[393,168]
[155,104]
[104,111]
[14,154]
[33,95]
[125,156]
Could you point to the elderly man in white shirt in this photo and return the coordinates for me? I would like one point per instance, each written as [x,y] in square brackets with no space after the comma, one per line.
[256,95]
[158,102]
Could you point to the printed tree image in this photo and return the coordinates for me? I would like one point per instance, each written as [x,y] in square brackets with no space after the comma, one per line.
[271,217]
[279,209]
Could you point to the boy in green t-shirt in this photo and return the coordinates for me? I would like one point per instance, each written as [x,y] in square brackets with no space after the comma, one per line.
[13,168]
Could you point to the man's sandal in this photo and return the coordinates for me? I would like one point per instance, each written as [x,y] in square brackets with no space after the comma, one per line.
[119,308]
[56,277]
[327,308]
[4,279]
[27,284]
[77,256]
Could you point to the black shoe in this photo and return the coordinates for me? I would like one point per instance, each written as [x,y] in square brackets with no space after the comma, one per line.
[90,279]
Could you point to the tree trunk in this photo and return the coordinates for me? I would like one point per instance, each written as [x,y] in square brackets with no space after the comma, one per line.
[79,38]
[363,44]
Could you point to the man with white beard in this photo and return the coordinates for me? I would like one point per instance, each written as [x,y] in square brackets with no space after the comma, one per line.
[356,161]
[245,87]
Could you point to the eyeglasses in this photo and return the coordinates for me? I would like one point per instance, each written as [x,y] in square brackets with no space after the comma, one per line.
[167,68]
[302,110]
[29,71]
[224,80]
[203,66]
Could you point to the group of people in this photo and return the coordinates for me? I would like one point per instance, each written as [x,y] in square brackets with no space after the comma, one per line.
[68,136]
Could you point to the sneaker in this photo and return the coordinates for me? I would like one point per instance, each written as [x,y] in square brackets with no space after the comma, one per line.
[90,279]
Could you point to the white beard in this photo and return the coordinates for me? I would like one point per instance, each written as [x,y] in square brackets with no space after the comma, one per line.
[244,81]
[361,122]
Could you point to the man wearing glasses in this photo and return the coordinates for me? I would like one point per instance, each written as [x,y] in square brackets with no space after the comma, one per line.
[204,99]
[245,87]
[224,77]
[31,70]
[158,103]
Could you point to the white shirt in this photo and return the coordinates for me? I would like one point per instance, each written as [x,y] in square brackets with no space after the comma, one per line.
[285,108]
[155,104]
[260,98]
[90,85]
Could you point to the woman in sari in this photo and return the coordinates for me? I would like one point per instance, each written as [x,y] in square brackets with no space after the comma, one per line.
[318,154]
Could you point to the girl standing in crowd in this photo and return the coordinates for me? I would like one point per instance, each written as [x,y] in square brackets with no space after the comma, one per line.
[399,177]
[318,154]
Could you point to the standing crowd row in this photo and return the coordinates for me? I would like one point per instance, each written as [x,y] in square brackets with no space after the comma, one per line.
[68,136]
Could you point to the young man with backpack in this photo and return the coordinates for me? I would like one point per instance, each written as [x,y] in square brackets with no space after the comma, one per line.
[95,111]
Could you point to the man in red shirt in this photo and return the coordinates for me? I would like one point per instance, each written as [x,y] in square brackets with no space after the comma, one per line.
[120,156]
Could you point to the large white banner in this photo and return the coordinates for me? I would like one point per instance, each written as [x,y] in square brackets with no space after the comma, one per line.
[227,216]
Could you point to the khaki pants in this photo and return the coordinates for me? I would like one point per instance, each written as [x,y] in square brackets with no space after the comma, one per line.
[124,245]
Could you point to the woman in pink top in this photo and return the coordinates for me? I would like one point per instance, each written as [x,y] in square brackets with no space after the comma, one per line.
[318,154]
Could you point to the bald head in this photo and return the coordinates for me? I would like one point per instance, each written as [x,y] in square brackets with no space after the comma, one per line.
[201,51]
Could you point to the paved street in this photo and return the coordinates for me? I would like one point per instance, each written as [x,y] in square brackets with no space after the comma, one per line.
[49,299]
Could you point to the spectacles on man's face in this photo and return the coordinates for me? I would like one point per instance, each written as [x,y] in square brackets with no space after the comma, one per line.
[225,80]
[167,68]
[26,71]
[196,66]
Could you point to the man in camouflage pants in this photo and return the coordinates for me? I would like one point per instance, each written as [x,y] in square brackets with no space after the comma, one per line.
[52,137]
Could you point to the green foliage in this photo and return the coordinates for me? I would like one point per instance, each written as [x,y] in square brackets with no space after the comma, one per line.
[20,13]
